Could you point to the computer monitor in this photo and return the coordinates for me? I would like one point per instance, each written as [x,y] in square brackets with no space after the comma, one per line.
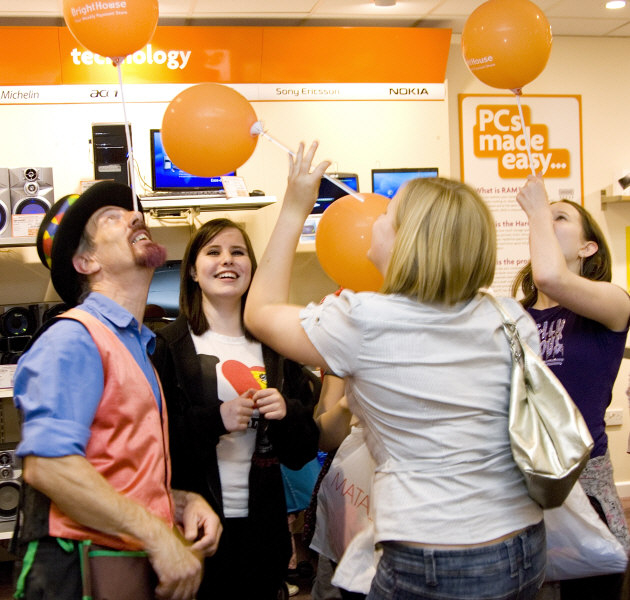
[387,181]
[329,191]
[164,288]
[166,177]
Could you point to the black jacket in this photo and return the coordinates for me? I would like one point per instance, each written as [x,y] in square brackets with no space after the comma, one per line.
[195,426]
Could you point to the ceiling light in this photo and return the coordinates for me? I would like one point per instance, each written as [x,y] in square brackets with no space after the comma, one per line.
[385,2]
[612,4]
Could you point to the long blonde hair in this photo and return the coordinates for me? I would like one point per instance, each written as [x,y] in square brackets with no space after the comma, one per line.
[445,246]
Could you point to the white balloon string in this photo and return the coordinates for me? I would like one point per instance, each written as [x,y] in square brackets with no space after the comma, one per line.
[257,129]
[525,131]
[130,163]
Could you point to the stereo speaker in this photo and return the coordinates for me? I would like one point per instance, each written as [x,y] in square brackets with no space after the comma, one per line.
[5,204]
[31,194]
[10,483]
[109,142]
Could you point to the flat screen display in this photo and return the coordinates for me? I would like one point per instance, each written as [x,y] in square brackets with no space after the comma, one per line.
[164,288]
[329,192]
[387,181]
[166,177]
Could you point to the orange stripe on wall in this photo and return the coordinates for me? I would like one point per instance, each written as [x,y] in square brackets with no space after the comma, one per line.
[354,55]
[51,55]
[30,56]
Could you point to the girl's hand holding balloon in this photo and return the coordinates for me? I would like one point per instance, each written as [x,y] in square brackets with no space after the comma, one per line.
[303,183]
[533,198]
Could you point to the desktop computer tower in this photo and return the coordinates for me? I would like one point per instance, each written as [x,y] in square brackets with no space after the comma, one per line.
[111,152]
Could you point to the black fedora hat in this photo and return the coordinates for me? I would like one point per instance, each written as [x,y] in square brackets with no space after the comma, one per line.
[60,232]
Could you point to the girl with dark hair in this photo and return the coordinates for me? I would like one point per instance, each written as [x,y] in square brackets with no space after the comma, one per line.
[582,321]
[236,411]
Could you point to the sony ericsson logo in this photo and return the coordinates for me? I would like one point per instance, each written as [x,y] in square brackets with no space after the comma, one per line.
[171,59]
[93,7]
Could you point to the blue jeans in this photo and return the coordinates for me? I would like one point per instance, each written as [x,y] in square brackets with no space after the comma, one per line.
[511,569]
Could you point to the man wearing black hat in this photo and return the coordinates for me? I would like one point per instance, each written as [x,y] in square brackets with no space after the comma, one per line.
[94,437]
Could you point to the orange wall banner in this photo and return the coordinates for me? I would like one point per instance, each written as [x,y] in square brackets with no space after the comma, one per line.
[266,55]
[29,55]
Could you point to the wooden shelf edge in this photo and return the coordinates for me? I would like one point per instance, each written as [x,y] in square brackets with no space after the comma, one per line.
[17,241]
[606,199]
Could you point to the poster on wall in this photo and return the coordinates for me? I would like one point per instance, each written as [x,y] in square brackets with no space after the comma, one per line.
[495,161]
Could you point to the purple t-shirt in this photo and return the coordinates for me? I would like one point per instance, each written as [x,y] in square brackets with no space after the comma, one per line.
[585,356]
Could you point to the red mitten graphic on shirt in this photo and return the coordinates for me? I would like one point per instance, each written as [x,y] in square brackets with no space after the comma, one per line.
[243,378]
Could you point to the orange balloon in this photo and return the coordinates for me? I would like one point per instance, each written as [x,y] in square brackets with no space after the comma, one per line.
[506,43]
[206,130]
[113,28]
[343,238]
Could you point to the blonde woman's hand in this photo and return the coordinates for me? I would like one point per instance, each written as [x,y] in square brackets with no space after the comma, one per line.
[303,183]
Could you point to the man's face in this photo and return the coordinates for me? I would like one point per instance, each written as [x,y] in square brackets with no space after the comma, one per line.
[120,239]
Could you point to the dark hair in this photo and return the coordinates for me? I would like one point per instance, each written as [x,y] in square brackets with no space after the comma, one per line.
[190,296]
[597,267]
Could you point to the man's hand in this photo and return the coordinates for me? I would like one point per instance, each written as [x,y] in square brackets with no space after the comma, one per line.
[178,568]
[202,526]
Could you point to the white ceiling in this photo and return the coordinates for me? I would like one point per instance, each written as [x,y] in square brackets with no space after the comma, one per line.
[567,17]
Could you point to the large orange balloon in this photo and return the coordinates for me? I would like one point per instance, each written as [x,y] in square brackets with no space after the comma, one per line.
[506,43]
[113,28]
[206,130]
[343,238]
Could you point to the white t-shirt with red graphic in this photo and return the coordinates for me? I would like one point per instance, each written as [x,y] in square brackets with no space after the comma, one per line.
[240,368]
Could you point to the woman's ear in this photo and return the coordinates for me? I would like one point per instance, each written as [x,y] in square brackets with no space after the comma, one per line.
[588,249]
[85,264]
[193,274]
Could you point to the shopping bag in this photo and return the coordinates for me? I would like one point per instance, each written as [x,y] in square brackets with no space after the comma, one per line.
[578,542]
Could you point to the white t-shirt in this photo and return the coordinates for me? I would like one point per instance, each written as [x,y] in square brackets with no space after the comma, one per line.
[240,368]
[431,384]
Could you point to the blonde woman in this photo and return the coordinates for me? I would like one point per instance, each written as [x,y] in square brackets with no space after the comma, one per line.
[427,366]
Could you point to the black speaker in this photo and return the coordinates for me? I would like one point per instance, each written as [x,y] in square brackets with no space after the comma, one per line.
[109,142]
[5,204]
[10,483]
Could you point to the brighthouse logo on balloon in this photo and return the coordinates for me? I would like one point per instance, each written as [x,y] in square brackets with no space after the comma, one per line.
[93,10]
[498,134]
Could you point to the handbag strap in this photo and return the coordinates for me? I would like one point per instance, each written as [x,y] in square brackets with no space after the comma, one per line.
[510,329]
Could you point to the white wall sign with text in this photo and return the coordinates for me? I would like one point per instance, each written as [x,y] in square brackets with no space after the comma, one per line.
[495,161]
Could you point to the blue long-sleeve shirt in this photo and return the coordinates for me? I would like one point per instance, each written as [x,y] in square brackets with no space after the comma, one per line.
[59,382]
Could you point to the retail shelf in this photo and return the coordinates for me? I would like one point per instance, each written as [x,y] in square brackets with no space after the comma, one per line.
[17,241]
[606,199]
[6,392]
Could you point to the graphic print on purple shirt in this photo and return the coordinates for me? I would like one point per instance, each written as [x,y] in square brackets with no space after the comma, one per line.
[551,344]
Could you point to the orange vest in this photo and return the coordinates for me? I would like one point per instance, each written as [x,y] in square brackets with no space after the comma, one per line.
[129,441]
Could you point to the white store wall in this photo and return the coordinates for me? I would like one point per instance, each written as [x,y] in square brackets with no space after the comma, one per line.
[357,136]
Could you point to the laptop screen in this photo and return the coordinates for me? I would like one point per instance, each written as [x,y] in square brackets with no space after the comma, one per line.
[166,177]
[387,181]
[329,192]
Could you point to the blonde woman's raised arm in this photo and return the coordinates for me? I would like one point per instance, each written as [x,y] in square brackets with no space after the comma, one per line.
[267,312]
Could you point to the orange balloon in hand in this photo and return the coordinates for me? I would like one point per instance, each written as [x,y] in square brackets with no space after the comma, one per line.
[206,130]
[506,43]
[113,32]
[343,237]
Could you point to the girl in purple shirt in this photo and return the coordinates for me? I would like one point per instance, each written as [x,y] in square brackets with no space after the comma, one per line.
[582,321]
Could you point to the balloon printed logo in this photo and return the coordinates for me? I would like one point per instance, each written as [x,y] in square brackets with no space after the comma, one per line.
[112,28]
[506,43]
